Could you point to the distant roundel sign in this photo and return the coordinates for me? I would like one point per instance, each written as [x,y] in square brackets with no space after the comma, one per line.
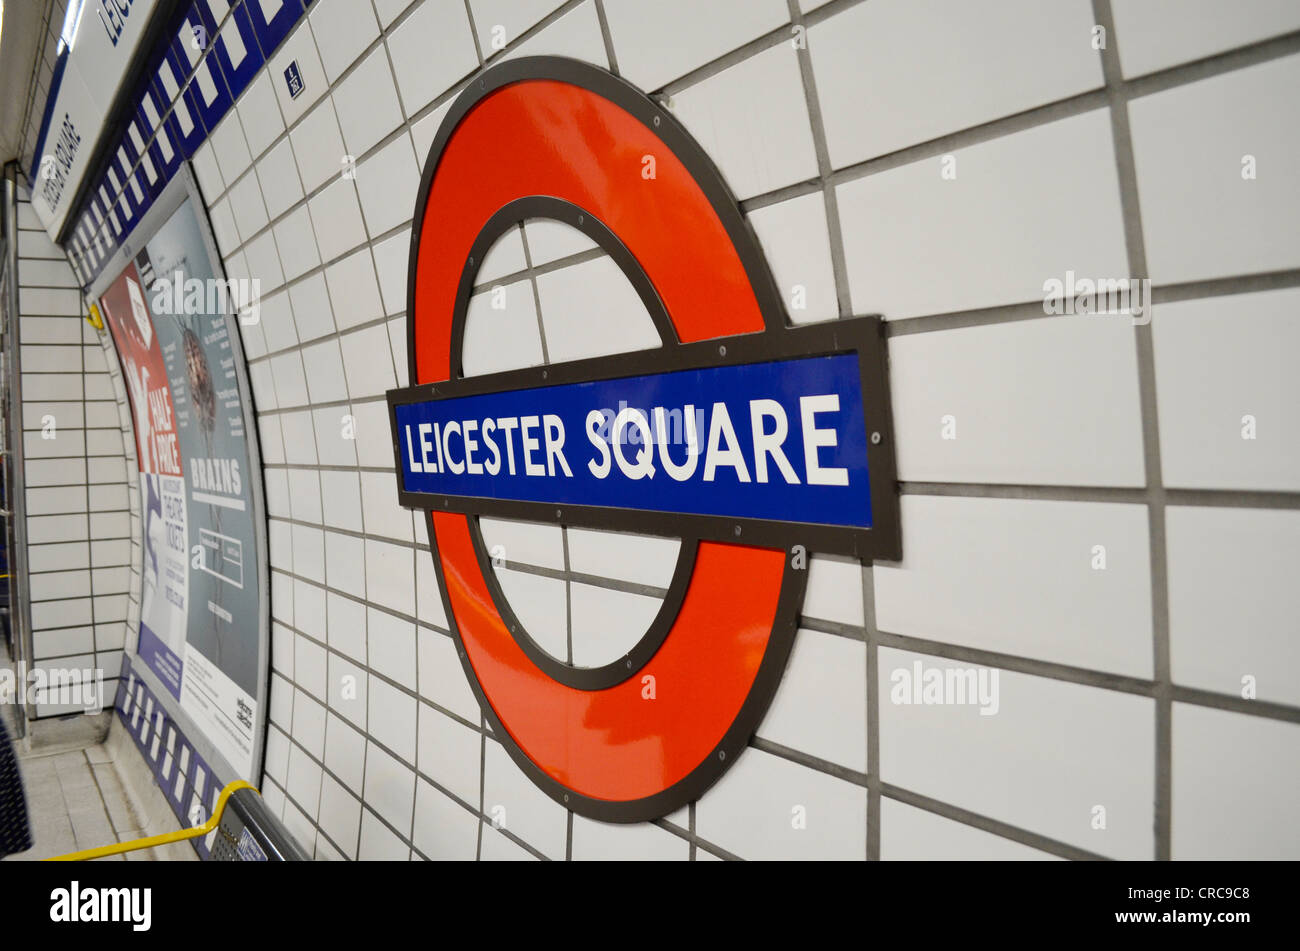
[751,441]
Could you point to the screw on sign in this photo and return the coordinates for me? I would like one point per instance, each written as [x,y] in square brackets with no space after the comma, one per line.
[780,437]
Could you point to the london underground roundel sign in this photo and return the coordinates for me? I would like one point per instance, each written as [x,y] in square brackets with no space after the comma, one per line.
[752,441]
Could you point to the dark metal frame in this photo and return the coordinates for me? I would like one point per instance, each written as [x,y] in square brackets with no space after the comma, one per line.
[616,671]
[862,336]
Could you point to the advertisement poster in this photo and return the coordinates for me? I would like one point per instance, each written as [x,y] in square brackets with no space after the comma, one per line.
[200,616]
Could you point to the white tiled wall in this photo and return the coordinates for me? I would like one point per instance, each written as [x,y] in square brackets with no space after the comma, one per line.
[1086,512]
[82,510]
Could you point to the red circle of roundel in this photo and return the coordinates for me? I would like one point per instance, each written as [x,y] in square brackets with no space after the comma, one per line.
[544,126]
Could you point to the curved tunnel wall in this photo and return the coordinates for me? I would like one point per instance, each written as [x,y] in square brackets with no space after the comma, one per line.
[81,508]
[1086,506]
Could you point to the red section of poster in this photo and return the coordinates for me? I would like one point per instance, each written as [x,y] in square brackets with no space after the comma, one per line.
[127,315]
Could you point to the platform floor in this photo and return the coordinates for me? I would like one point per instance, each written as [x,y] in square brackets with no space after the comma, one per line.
[77,797]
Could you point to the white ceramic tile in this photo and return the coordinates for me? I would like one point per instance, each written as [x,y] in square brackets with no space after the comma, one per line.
[422,77]
[259,114]
[397,340]
[1157,34]
[349,687]
[341,499]
[540,606]
[505,338]
[640,842]
[820,707]
[387,183]
[661,41]
[442,678]
[346,619]
[290,381]
[769,808]
[390,10]
[247,205]
[297,243]
[343,29]
[299,438]
[449,753]
[392,718]
[335,438]
[501,22]
[892,74]
[1006,403]
[431,610]
[230,148]
[374,434]
[312,313]
[794,239]
[366,102]
[263,260]
[390,792]
[309,663]
[391,258]
[304,494]
[576,35]
[281,707]
[303,781]
[511,801]
[834,590]
[277,323]
[548,241]
[524,543]
[504,257]
[424,131]
[353,290]
[272,439]
[390,576]
[368,362]
[345,752]
[643,559]
[383,515]
[277,485]
[309,724]
[589,310]
[1010,221]
[1233,600]
[607,624]
[444,830]
[279,179]
[495,847]
[223,229]
[1234,782]
[1223,373]
[318,146]
[323,366]
[1051,754]
[336,216]
[277,754]
[909,834]
[752,120]
[340,815]
[1022,577]
[211,184]
[1237,224]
